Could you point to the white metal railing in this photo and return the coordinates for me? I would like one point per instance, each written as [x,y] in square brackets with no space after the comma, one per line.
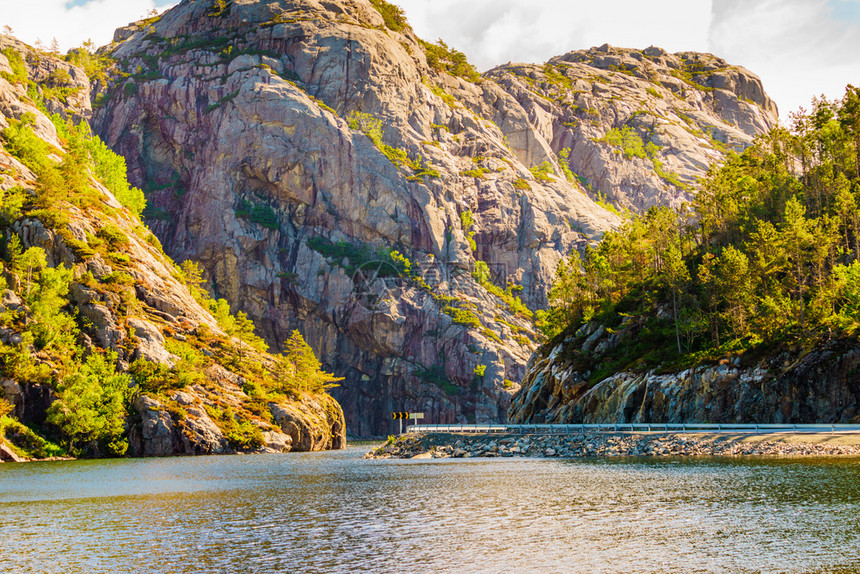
[639,427]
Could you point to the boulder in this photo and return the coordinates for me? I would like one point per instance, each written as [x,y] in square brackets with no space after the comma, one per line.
[9,300]
[201,435]
[109,333]
[8,455]
[150,343]
[12,393]
[277,442]
[156,429]
[308,428]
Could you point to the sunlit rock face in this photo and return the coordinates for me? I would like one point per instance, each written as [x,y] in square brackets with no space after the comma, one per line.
[140,319]
[674,114]
[236,121]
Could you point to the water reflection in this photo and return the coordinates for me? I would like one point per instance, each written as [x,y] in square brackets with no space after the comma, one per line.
[334,512]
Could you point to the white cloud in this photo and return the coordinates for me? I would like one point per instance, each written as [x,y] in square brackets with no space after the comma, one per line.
[47,19]
[799,48]
[492,32]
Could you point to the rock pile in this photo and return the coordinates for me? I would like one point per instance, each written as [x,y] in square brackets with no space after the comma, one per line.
[439,445]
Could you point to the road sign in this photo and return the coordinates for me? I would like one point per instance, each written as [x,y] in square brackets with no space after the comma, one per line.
[401,415]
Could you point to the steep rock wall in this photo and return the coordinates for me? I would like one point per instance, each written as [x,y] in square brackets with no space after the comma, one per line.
[262,127]
[235,122]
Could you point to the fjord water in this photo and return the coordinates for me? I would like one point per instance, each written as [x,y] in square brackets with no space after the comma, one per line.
[335,512]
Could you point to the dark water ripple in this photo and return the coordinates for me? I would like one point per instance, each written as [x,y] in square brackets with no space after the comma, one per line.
[334,512]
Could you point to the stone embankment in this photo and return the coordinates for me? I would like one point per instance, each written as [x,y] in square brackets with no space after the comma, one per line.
[444,445]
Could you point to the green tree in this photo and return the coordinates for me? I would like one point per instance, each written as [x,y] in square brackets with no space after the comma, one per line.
[799,241]
[481,272]
[845,204]
[92,405]
[50,322]
[847,289]
[568,295]
[676,278]
[734,285]
[11,202]
[31,261]
[774,249]
[111,170]
[23,143]
[849,119]
[18,361]
[298,368]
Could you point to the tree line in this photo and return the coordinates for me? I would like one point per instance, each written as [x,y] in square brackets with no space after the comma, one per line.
[766,254]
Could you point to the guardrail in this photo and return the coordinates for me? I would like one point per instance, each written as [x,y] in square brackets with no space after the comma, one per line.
[641,427]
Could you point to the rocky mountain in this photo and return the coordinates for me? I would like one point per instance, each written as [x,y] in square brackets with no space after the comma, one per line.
[332,172]
[744,308]
[106,345]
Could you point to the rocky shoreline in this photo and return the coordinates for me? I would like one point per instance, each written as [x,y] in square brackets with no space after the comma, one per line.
[448,445]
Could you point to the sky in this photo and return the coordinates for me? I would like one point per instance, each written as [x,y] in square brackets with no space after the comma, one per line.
[799,48]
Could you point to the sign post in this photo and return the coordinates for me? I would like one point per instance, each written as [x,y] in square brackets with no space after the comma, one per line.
[399,416]
[415,417]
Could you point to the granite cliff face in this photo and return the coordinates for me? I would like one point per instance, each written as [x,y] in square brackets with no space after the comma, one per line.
[821,385]
[641,126]
[127,296]
[252,126]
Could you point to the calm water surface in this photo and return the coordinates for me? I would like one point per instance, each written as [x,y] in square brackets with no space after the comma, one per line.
[334,512]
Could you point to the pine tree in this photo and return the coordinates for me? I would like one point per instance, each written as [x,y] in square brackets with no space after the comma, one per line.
[676,278]
[849,119]
[92,405]
[30,262]
[799,242]
[306,368]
